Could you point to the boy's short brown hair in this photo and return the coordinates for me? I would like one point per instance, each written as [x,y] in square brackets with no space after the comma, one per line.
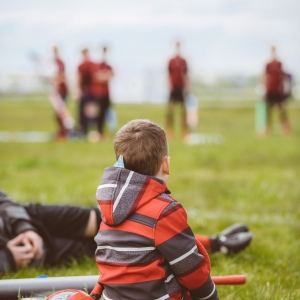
[143,145]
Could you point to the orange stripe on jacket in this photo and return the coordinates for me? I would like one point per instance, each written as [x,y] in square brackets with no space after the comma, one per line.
[154,208]
[132,274]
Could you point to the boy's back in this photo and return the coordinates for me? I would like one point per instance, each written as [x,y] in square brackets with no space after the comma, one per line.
[146,250]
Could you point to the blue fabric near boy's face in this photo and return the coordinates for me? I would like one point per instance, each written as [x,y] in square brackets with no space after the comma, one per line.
[120,162]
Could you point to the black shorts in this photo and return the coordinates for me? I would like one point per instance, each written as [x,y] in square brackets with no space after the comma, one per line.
[104,101]
[62,228]
[177,95]
[274,99]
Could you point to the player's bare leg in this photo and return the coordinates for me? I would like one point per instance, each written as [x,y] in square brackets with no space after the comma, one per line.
[285,125]
[170,121]
[91,227]
[268,130]
[184,125]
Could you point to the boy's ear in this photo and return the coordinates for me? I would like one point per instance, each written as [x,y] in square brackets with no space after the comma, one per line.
[166,165]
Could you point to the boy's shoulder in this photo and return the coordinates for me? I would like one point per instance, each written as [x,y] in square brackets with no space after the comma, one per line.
[166,203]
[155,210]
[168,199]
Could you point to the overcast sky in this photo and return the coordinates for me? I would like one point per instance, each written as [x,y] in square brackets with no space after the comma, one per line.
[219,36]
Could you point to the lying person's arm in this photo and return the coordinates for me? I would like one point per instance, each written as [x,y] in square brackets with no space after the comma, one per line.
[16,214]
[7,262]
[26,239]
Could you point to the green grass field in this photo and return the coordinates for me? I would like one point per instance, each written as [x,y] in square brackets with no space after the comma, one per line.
[245,179]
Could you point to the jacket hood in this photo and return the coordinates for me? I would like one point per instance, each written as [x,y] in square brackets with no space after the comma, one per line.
[121,192]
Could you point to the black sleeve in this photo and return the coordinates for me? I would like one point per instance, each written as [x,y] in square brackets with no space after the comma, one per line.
[7,263]
[16,214]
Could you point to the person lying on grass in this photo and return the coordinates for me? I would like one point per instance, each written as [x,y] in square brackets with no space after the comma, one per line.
[145,247]
[37,235]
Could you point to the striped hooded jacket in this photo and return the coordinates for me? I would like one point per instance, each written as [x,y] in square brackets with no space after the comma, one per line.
[145,248]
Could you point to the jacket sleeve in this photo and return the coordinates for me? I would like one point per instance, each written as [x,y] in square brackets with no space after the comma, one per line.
[7,262]
[15,214]
[176,241]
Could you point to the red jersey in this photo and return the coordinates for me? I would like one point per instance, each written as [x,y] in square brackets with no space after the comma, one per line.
[177,72]
[60,76]
[100,87]
[274,78]
[85,70]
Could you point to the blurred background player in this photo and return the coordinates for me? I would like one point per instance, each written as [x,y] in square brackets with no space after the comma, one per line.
[178,81]
[61,88]
[274,78]
[87,107]
[102,75]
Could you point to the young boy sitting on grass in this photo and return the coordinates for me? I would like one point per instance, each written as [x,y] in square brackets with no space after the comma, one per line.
[145,247]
